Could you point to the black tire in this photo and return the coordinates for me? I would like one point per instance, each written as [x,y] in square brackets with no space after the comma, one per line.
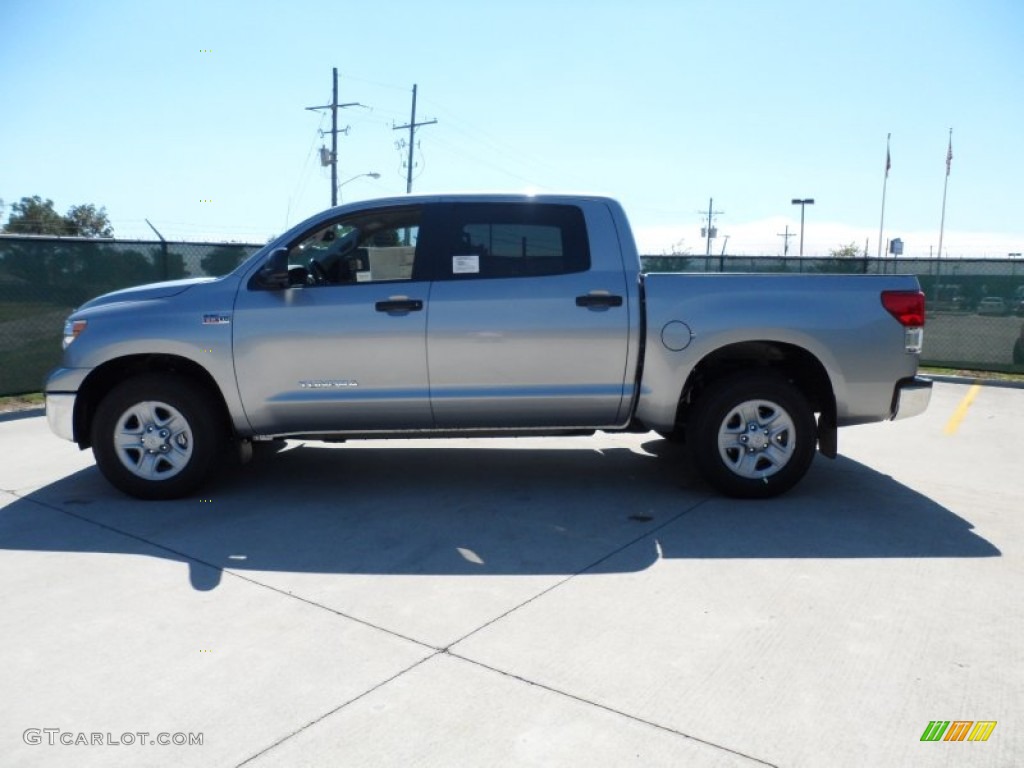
[765,460]
[181,434]
[676,436]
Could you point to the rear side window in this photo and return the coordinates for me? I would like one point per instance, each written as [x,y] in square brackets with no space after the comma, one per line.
[495,240]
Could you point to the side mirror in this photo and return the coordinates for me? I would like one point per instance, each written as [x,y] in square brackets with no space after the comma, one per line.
[274,273]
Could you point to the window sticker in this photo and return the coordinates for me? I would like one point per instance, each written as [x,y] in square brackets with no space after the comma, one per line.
[364,277]
[466,265]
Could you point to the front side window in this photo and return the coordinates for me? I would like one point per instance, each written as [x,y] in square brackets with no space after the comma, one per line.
[517,240]
[372,247]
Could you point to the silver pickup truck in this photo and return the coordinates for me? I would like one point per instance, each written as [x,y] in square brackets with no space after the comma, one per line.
[482,315]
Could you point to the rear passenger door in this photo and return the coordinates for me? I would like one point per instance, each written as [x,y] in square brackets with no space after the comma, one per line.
[523,329]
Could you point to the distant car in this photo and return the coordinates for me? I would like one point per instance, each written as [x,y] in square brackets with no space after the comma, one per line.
[1018,308]
[993,305]
[1018,348]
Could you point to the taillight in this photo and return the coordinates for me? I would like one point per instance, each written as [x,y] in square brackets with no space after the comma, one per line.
[906,306]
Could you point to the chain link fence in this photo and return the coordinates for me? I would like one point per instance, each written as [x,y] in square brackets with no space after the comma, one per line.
[43,278]
[975,307]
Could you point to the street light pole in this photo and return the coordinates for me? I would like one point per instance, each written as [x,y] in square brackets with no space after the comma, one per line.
[370,175]
[802,203]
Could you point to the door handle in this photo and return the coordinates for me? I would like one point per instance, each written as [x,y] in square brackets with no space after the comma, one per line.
[399,305]
[598,300]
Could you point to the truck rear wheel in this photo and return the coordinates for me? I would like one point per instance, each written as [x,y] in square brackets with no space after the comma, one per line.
[752,436]
[157,436]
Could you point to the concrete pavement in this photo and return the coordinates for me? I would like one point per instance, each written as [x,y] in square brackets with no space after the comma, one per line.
[571,601]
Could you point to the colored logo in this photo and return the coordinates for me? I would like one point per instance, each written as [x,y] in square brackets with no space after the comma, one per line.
[958,730]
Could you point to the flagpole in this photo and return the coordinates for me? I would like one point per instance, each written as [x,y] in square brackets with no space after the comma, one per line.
[949,160]
[885,183]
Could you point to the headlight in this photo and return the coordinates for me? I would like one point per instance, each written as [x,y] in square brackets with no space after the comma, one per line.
[72,329]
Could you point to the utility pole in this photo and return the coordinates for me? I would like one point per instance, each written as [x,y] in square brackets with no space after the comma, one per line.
[709,232]
[412,126]
[787,234]
[334,106]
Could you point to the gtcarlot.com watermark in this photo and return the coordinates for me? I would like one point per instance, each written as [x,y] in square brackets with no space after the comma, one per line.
[58,736]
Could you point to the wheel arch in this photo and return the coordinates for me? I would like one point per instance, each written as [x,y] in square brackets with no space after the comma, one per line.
[796,364]
[111,373]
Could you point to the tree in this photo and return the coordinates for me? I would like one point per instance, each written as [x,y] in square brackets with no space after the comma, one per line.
[844,259]
[223,259]
[848,251]
[674,259]
[35,216]
[170,265]
[678,248]
[86,221]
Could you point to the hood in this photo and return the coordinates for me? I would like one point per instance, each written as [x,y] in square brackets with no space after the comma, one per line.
[146,292]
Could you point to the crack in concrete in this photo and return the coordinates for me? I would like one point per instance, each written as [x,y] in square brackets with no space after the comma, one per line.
[435,651]
[612,710]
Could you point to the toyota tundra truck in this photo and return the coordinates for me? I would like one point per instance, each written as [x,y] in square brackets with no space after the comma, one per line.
[482,315]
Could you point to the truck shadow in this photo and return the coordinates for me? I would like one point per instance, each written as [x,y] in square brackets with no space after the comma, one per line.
[468,511]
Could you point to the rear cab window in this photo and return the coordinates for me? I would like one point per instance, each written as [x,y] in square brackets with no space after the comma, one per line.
[501,240]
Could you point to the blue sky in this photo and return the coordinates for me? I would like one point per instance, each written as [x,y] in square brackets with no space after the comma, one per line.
[659,104]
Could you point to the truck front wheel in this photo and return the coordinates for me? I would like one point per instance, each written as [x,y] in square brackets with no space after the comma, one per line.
[751,436]
[156,436]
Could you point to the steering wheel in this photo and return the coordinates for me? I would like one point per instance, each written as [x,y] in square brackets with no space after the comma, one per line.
[317,271]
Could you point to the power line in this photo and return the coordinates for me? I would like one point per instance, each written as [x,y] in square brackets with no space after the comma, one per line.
[390,86]
[304,173]
[479,136]
[462,152]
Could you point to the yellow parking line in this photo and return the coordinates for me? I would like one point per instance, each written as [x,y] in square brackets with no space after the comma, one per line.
[961,410]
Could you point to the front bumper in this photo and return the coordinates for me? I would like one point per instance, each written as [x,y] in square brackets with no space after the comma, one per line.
[911,398]
[60,390]
[60,414]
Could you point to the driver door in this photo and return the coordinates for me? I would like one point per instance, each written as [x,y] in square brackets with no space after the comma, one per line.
[344,347]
